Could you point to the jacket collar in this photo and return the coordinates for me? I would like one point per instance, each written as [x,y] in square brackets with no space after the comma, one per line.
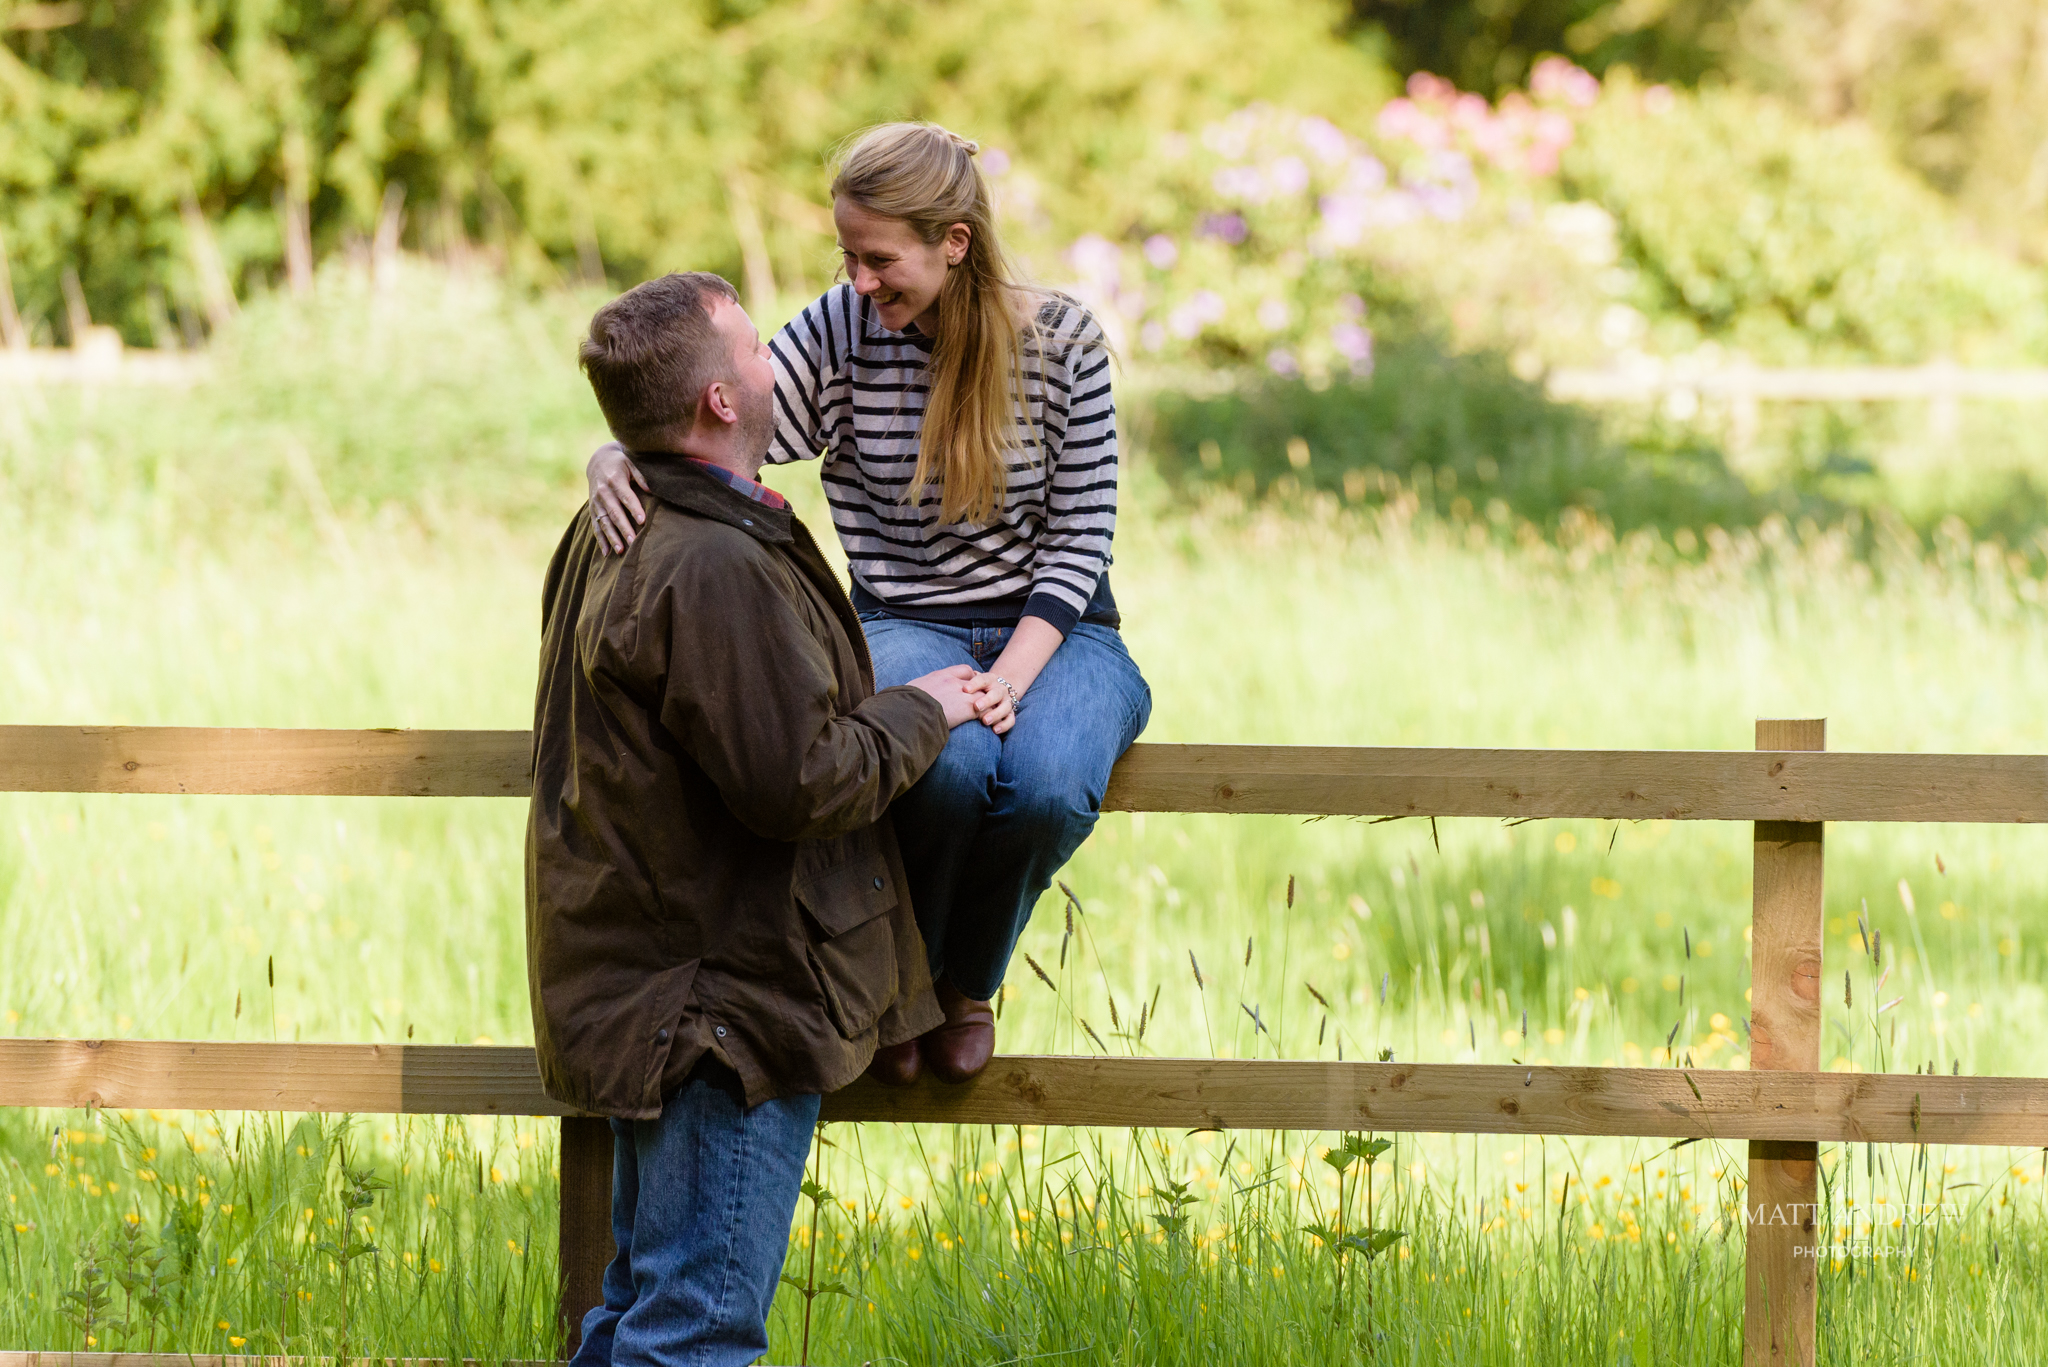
[678,480]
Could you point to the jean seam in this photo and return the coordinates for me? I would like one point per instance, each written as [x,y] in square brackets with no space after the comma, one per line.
[721,1310]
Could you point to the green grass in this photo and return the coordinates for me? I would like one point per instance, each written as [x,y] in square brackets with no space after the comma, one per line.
[171,561]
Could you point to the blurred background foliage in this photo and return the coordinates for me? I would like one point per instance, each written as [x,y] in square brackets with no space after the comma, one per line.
[1338,246]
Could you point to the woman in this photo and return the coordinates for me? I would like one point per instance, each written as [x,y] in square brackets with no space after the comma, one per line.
[978,530]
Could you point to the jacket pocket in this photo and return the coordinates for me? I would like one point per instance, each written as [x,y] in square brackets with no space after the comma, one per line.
[846,892]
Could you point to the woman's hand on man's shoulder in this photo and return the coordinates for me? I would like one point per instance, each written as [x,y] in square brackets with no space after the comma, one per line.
[615,509]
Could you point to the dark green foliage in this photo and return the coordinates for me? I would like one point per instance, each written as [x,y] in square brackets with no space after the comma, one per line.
[1489,45]
[621,137]
[1449,430]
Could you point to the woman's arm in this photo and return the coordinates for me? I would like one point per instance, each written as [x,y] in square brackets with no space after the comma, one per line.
[805,356]
[1071,550]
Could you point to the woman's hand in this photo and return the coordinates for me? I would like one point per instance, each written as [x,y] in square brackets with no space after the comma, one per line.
[614,508]
[994,705]
[997,693]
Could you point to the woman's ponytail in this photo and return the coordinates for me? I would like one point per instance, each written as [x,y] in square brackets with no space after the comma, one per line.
[926,176]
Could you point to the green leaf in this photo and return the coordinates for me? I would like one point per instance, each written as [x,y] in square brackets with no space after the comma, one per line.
[1374,1241]
[1368,1149]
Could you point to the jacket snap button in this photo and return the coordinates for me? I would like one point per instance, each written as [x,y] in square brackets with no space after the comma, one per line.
[878,885]
[721,1032]
[661,1037]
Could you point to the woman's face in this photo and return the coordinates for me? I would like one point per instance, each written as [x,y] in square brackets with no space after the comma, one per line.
[887,262]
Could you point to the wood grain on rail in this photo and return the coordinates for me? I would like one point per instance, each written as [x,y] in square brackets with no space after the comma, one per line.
[68,1358]
[1445,1098]
[1299,780]
[1629,785]
[200,1075]
[230,760]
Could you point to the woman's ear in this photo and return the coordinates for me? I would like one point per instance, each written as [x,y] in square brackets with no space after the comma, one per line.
[956,241]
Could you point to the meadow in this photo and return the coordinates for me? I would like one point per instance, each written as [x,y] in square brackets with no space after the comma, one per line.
[346,526]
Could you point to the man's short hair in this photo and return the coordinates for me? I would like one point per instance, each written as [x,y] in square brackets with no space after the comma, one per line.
[652,351]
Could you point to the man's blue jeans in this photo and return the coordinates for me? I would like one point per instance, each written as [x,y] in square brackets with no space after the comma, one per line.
[701,1207]
[991,822]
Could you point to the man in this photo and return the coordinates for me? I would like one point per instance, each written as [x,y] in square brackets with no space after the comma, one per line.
[716,932]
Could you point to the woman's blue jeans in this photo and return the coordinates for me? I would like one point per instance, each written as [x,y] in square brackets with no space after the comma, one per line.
[701,1205]
[991,822]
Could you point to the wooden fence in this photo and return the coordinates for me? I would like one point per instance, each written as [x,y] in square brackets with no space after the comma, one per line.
[1742,390]
[1783,1105]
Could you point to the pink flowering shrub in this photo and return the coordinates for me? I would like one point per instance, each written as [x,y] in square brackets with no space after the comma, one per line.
[1576,222]
[1282,240]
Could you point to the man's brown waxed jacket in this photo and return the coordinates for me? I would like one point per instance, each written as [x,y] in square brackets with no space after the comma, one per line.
[709,861]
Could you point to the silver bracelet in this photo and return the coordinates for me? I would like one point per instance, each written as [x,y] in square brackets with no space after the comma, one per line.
[1014,699]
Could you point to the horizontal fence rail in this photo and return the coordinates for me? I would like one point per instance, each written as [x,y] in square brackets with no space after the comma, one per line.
[1293,780]
[67,1358]
[1147,1093]
[1781,1106]
[1813,384]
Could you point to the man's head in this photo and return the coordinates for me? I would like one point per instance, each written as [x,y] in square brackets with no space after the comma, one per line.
[677,366]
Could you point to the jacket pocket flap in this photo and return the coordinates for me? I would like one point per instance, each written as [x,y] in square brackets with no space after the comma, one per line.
[845,882]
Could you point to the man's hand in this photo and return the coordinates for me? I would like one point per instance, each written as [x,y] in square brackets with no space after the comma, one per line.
[949,687]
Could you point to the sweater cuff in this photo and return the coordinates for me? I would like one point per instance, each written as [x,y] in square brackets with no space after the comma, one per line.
[1053,610]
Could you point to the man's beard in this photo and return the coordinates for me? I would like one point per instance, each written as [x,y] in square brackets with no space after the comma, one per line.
[757,427]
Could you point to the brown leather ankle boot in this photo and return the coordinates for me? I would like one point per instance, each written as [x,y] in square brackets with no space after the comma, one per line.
[962,1047]
[898,1065]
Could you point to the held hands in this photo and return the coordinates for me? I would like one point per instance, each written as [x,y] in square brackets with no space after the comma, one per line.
[949,686]
[615,510]
[967,696]
[995,701]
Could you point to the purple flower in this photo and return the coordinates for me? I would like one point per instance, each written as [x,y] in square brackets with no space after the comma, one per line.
[1162,251]
[1097,261]
[995,161]
[1203,308]
[1241,182]
[1357,204]
[1354,344]
[1281,362]
[1444,185]
[1324,140]
[1230,228]
[1289,175]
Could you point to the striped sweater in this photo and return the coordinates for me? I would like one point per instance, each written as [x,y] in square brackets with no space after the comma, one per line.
[854,391]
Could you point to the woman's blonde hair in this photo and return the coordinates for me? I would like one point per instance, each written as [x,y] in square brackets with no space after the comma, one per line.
[926,177]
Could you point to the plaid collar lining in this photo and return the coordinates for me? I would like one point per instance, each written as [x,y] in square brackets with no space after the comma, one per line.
[760,493]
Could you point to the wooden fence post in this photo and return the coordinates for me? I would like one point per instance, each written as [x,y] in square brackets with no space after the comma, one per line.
[1781,1281]
[586,1234]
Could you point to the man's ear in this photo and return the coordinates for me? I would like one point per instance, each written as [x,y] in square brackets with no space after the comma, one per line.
[716,405]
